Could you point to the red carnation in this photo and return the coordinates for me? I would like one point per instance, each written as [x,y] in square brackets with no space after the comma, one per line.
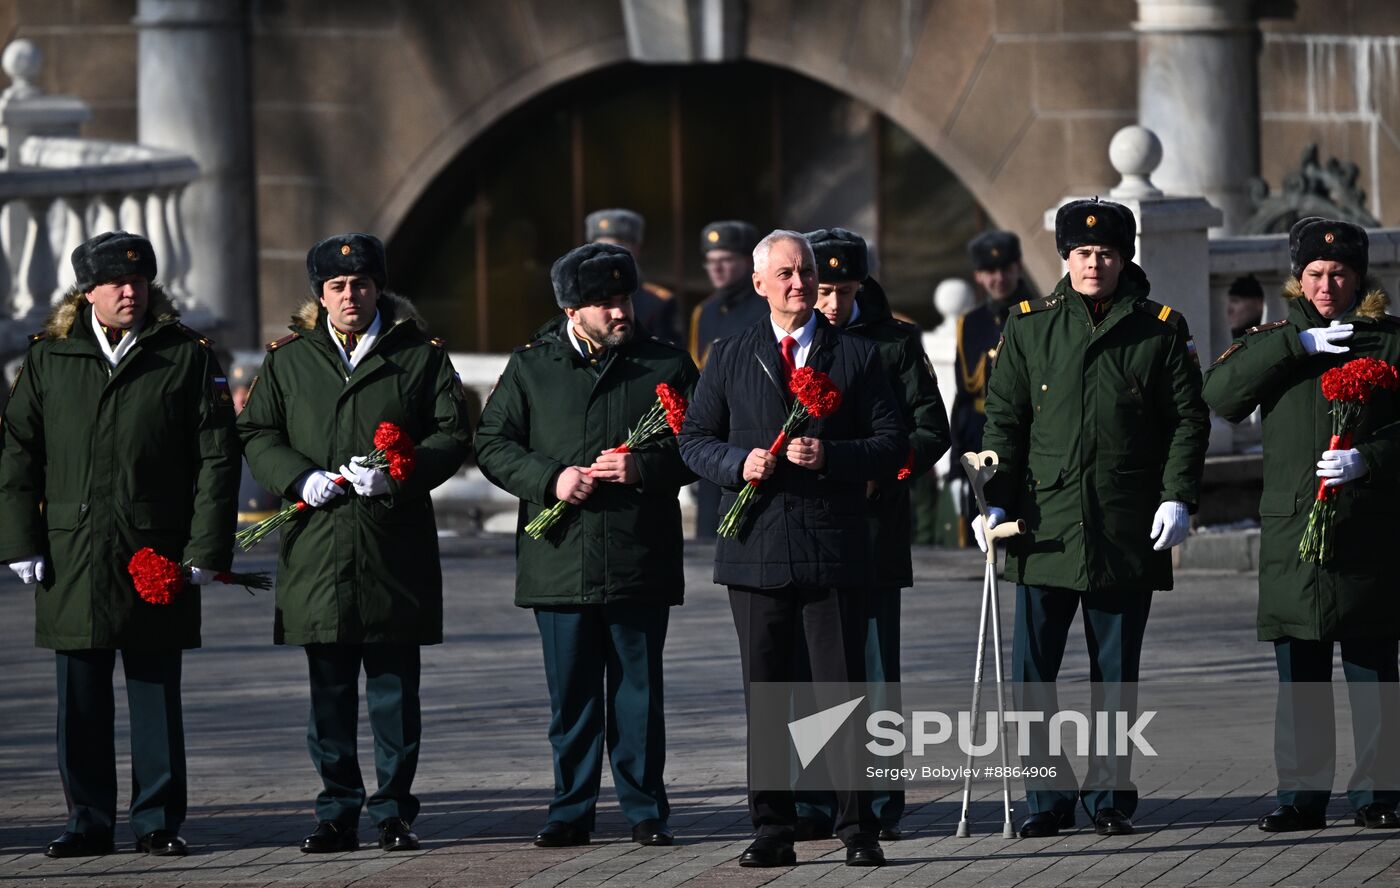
[816,392]
[675,406]
[388,437]
[157,578]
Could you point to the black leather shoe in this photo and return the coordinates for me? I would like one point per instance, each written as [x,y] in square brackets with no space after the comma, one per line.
[394,835]
[76,844]
[1377,815]
[558,834]
[769,851]
[1288,818]
[891,834]
[330,837]
[1112,822]
[1046,824]
[162,843]
[809,830]
[864,850]
[653,832]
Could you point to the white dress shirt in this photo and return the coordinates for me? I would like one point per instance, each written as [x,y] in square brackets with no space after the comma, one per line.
[803,335]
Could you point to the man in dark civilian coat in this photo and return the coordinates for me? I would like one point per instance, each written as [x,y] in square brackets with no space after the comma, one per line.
[802,557]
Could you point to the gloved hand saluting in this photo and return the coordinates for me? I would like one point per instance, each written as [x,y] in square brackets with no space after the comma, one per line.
[32,569]
[366,481]
[1169,525]
[1325,339]
[318,487]
[1341,466]
[994,517]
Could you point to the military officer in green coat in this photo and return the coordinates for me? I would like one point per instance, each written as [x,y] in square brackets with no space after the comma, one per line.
[1335,313]
[851,299]
[602,581]
[359,584]
[1094,408]
[118,436]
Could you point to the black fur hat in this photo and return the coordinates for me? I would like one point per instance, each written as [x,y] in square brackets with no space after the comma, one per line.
[1313,237]
[592,272]
[1095,222]
[352,253]
[994,249]
[731,234]
[111,255]
[841,255]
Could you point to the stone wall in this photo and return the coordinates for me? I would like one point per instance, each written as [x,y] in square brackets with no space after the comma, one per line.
[359,104]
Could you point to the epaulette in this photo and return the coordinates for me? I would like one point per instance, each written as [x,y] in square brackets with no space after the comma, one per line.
[195,335]
[1164,313]
[527,346]
[659,341]
[658,291]
[1030,306]
[35,337]
[437,342]
[1274,325]
[275,344]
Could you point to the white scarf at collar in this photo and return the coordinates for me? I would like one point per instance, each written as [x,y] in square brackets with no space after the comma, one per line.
[362,345]
[114,355]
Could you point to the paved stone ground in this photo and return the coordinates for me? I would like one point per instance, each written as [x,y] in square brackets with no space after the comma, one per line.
[485,776]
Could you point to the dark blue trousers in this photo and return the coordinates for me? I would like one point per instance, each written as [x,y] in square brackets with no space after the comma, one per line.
[87,748]
[881,667]
[391,689]
[603,666]
[1305,729]
[1114,623]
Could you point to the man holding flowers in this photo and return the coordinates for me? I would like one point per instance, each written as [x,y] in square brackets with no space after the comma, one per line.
[118,437]
[359,583]
[1331,427]
[794,548]
[581,428]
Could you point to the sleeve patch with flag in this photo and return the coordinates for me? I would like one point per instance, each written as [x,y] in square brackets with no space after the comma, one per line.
[221,392]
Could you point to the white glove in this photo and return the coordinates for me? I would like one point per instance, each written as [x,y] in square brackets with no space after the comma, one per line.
[1169,525]
[30,569]
[367,482]
[201,577]
[318,487]
[1341,466]
[994,517]
[1325,339]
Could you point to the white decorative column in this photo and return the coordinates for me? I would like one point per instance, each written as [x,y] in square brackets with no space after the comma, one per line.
[952,298]
[1173,244]
[1198,89]
[193,97]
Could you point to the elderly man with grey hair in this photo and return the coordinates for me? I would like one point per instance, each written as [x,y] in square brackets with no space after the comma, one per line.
[801,557]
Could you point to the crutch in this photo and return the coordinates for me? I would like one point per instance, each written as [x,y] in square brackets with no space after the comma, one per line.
[980,468]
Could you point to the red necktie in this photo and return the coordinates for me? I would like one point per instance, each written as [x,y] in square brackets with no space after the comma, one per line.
[789,346]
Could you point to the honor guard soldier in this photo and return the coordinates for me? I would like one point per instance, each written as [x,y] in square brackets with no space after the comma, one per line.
[800,568]
[654,306]
[255,502]
[118,436]
[359,584]
[1336,313]
[602,581]
[853,301]
[732,307]
[1094,408]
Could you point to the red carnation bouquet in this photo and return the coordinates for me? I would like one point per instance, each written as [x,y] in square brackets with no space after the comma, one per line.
[158,579]
[1349,387]
[393,452]
[667,411]
[815,395]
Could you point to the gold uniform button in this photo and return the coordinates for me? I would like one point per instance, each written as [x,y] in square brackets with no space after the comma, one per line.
[1044,387]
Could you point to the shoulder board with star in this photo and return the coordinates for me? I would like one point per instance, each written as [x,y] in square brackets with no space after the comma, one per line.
[195,335]
[1031,306]
[527,346]
[275,344]
[658,291]
[1164,313]
[437,342]
[1260,328]
[38,337]
[671,345]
